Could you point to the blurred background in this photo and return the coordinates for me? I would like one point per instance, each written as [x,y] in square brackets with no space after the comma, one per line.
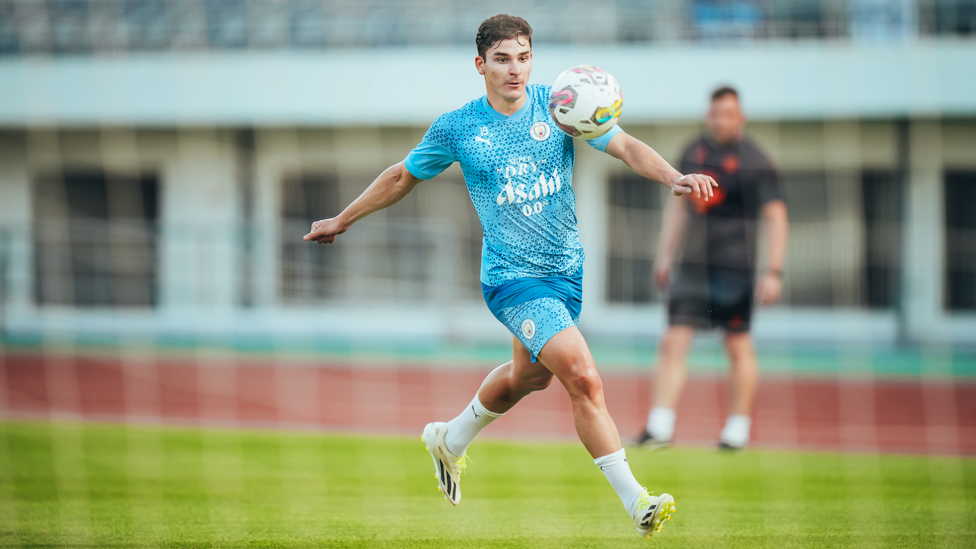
[160,161]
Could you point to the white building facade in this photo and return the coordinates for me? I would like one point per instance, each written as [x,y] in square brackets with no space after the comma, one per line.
[166,192]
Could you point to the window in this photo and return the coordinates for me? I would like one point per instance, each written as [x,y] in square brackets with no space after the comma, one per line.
[960,240]
[308,272]
[952,17]
[807,271]
[882,196]
[427,247]
[95,239]
[635,223]
[825,255]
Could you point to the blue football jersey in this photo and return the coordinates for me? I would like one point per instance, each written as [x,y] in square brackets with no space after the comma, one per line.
[519,173]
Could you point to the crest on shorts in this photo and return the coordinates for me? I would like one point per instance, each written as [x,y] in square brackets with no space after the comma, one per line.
[539,131]
[528,328]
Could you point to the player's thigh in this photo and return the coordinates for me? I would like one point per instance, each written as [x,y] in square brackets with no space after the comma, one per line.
[568,357]
[531,375]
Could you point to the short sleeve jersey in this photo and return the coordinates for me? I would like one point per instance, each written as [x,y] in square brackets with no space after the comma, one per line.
[722,231]
[519,174]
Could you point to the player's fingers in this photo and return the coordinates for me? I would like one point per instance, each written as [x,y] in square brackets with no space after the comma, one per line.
[311,231]
[702,181]
[680,186]
[315,234]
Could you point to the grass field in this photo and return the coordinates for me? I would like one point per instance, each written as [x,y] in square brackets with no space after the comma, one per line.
[91,485]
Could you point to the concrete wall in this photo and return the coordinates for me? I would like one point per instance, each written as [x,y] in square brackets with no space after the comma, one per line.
[202,267]
[411,86]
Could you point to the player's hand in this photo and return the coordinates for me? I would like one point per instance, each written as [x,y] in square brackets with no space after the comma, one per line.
[697,184]
[768,288]
[662,272]
[325,231]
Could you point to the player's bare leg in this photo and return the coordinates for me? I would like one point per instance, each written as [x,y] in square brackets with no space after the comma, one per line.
[568,357]
[502,388]
[744,381]
[510,382]
[745,372]
[669,382]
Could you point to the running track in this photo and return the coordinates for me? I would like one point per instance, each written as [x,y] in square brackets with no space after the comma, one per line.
[912,416]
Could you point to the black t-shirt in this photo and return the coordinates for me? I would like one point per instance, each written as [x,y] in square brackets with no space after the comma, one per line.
[721,233]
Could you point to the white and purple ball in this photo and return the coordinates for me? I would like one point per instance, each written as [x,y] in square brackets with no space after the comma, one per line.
[585,101]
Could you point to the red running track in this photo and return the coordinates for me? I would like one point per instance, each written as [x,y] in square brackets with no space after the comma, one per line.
[911,416]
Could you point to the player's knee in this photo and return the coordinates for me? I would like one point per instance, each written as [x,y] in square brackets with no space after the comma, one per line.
[583,380]
[528,382]
[674,342]
[539,382]
[739,345]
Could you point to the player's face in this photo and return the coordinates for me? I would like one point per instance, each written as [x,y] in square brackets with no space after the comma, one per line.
[506,68]
[725,119]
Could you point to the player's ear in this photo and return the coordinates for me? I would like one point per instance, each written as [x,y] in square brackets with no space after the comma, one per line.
[479,63]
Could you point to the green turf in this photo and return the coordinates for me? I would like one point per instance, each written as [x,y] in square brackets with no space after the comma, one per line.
[86,485]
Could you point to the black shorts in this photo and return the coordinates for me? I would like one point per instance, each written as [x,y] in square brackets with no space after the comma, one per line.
[722,300]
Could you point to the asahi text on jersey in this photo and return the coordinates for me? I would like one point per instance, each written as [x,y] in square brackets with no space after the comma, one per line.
[531,184]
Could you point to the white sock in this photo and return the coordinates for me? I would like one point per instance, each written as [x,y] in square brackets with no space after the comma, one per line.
[617,471]
[736,431]
[660,423]
[462,430]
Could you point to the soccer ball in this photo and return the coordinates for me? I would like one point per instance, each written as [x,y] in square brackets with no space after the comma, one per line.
[585,101]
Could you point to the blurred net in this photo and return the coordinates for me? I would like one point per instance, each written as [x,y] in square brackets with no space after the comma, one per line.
[157,275]
[193,273]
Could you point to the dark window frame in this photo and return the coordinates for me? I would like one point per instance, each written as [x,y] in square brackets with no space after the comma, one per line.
[93,246]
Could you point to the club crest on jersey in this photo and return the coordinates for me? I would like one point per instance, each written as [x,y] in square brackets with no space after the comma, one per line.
[539,131]
[528,328]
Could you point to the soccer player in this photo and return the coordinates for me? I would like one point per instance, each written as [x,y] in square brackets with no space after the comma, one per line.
[713,284]
[519,172]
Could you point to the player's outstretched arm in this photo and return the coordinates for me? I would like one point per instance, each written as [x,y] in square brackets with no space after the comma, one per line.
[392,185]
[770,284]
[646,162]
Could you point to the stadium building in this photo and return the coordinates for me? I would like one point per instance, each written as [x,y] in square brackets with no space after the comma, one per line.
[161,160]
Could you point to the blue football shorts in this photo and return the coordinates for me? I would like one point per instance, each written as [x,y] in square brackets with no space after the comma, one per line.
[535,309]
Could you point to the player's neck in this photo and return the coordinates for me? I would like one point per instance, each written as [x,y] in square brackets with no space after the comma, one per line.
[504,106]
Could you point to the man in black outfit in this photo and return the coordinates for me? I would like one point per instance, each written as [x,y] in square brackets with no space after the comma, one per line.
[713,284]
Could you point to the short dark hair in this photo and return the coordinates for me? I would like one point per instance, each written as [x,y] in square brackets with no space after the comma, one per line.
[500,27]
[723,91]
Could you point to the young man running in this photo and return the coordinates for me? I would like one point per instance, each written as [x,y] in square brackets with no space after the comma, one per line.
[519,171]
